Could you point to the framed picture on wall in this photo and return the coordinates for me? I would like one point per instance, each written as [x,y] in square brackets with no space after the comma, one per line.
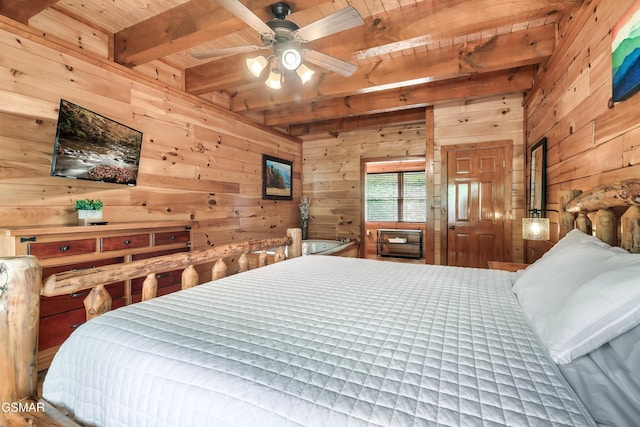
[625,54]
[276,178]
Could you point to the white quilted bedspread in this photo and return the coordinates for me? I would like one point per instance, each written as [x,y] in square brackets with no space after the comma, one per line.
[318,341]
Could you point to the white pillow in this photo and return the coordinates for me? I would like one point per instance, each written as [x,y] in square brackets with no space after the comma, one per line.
[543,286]
[547,288]
[577,237]
[597,312]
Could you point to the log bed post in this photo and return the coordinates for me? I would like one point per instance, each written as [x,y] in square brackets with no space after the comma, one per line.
[262,259]
[189,277]
[630,229]
[219,270]
[97,302]
[20,283]
[567,219]
[295,249]
[243,263]
[606,226]
[583,223]
[149,287]
[279,255]
[601,200]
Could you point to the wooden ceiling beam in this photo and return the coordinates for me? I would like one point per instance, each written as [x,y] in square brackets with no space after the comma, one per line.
[478,85]
[199,21]
[427,22]
[413,115]
[22,10]
[402,28]
[527,47]
[186,26]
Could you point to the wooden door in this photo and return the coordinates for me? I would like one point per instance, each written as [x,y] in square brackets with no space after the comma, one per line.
[476,195]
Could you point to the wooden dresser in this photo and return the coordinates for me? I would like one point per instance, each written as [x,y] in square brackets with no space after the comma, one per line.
[65,248]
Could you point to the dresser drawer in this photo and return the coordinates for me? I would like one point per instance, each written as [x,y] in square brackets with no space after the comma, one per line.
[171,237]
[169,281]
[62,303]
[124,242]
[165,290]
[55,305]
[62,248]
[57,328]
[164,279]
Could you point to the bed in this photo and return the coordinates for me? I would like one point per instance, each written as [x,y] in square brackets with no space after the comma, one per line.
[330,341]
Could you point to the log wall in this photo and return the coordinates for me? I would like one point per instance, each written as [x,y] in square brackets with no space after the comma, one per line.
[198,162]
[590,140]
[487,120]
[332,176]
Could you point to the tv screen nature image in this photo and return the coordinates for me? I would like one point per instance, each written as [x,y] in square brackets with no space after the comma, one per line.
[93,147]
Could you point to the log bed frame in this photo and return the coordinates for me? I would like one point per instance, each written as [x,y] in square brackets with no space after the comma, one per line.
[21,286]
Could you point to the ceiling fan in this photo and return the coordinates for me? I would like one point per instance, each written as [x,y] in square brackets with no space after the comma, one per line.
[286,38]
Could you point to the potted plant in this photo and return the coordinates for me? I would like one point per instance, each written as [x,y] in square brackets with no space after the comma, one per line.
[89,211]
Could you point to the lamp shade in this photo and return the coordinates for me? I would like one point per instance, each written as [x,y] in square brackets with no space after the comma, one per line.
[257,65]
[274,81]
[305,73]
[535,228]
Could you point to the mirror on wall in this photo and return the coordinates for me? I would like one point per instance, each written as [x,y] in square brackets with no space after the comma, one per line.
[537,176]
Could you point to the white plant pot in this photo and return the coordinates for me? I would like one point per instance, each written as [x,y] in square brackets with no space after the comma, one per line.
[86,217]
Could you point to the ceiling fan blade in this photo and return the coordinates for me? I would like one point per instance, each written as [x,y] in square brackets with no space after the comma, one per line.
[219,53]
[341,20]
[244,13]
[330,63]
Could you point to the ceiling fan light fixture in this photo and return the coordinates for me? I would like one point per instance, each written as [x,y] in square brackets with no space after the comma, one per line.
[274,81]
[291,59]
[305,73]
[257,65]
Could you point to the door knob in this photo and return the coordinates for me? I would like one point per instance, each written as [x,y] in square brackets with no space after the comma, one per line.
[453,227]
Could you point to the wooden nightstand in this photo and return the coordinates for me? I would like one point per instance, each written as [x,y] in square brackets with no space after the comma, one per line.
[508,266]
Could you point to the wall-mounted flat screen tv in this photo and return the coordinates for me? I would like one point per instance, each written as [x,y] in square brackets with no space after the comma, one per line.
[93,147]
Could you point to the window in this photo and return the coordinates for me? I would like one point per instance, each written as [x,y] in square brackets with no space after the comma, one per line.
[396,196]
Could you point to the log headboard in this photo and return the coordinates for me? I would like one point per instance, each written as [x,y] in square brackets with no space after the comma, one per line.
[611,211]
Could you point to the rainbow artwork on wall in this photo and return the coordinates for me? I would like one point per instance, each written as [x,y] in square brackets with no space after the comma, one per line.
[626,54]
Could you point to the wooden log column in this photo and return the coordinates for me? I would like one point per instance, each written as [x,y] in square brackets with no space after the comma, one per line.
[219,270]
[583,223]
[20,283]
[190,277]
[295,248]
[98,302]
[566,219]
[149,287]
[601,200]
[607,226]
[630,229]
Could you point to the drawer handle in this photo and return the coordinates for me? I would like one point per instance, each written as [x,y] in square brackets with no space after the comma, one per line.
[172,237]
[79,294]
[75,325]
[64,248]
[158,276]
[83,268]
[126,242]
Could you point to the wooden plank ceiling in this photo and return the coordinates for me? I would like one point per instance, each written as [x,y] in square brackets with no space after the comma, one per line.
[409,53]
